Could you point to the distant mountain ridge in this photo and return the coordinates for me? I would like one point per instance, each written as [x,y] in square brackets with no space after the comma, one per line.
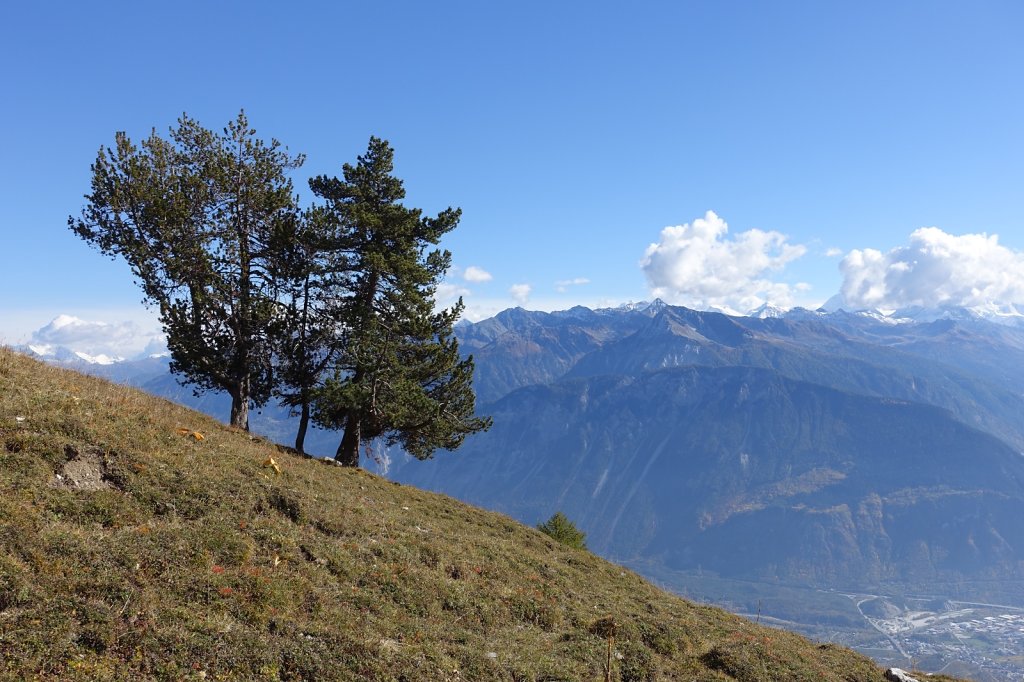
[1010,315]
[747,473]
[973,368]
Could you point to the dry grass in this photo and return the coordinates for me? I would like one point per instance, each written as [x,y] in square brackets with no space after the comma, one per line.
[140,540]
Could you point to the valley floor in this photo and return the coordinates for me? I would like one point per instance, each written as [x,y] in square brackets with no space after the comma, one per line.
[984,641]
[978,640]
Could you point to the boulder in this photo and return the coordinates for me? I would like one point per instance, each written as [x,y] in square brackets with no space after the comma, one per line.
[897,675]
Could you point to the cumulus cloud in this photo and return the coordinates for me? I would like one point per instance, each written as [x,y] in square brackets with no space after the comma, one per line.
[699,265]
[833,252]
[563,285]
[481,310]
[476,274]
[112,339]
[934,270]
[447,292]
[520,293]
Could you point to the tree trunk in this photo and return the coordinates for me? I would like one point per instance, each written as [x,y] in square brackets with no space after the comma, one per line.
[243,348]
[239,411]
[300,437]
[348,449]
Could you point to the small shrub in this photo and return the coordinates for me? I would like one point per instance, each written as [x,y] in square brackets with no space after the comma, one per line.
[561,529]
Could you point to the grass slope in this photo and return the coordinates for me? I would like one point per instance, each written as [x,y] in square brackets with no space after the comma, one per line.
[140,540]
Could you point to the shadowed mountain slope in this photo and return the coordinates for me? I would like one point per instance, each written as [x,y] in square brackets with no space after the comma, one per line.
[753,475]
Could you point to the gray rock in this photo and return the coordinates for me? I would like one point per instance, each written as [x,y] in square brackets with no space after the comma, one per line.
[897,675]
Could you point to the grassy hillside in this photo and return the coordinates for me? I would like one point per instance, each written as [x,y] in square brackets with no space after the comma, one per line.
[140,540]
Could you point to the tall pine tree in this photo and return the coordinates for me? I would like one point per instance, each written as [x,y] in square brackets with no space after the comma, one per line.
[398,374]
[198,217]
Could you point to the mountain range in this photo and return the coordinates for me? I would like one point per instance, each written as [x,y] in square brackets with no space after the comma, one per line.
[808,447]
[821,448]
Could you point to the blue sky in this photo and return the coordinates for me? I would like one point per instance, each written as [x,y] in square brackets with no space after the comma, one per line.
[571,134]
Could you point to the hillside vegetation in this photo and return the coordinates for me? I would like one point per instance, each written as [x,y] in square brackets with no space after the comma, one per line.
[141,540]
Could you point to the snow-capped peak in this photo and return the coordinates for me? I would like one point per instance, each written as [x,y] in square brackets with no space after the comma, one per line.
[51,352]
[1005,314]
[71,339]
[42,350]
[1009,315]
[642,306]
[100,359]
[766,310]
[55,353]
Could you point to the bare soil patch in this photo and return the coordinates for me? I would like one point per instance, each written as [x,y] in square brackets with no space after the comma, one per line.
[84,472]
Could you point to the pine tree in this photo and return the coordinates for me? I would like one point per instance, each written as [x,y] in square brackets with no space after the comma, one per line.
[560,528]
[197,218]
[304,331]
[398,374]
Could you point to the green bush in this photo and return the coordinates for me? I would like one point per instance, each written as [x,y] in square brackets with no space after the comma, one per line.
[563,530]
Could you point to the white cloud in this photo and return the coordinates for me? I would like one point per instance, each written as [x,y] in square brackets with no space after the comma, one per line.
[476,274]
[481,310]
[935,270]
[520,293]
[563,285]
[448,293]
[833,252]
[698,265]
[113,339]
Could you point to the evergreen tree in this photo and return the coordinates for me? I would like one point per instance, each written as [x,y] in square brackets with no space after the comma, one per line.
[305,334]
[197,217]
[560,528]
[398,374]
